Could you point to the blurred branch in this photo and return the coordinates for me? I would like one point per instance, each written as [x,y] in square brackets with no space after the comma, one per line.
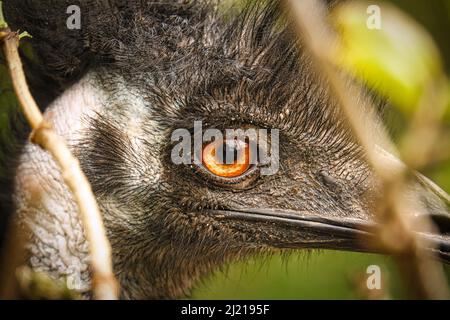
[104,284]
[424,275]
[425,129]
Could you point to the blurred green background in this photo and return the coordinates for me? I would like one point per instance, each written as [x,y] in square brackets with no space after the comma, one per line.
[324,274]
[315,275]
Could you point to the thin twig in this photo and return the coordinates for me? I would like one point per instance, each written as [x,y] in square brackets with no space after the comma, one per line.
[104,284]
[425,275]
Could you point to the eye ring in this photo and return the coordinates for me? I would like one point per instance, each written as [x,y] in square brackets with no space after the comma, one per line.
[213,158]
[239,175]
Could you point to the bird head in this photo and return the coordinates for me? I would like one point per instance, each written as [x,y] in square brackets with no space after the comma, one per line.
[165,66]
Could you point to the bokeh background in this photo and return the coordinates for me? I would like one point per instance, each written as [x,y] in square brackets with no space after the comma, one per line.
[314,274]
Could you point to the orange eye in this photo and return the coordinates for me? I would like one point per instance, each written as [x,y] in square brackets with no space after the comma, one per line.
[215,161]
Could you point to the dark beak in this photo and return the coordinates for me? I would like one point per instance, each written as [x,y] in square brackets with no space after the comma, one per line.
[344,233]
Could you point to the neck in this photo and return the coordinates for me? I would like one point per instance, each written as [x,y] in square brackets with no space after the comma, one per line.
[44,206]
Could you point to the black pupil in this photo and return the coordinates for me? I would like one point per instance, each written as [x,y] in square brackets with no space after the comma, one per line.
[227,148]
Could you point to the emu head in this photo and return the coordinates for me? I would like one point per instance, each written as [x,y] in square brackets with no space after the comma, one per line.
[118,88]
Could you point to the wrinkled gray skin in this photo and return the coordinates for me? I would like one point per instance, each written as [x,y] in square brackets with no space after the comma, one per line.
[119,87]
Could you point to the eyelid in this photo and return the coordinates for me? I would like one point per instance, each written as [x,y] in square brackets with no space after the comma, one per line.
[213,159]
[242,180]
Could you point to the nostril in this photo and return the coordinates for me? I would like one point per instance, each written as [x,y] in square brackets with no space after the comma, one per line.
[329,181]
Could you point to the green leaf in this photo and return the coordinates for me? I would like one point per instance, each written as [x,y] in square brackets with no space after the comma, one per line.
[399,59]
[25,34]
[3,23]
